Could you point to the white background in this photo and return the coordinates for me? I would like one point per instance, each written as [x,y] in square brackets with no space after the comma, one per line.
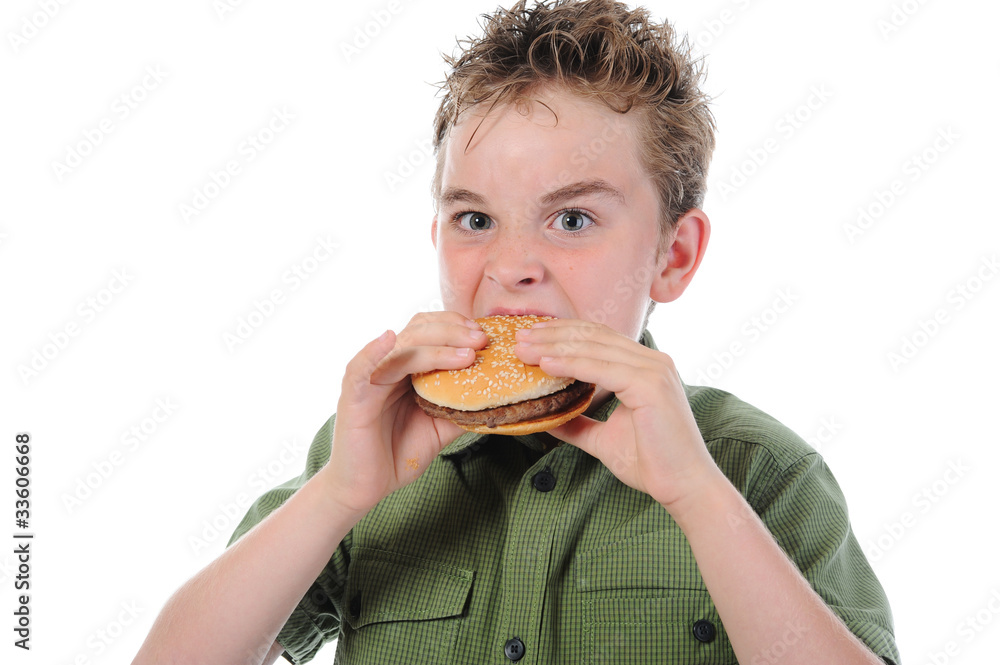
[120,522]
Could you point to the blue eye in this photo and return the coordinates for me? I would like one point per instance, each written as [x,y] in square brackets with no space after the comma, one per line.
[475,221]
[573,220]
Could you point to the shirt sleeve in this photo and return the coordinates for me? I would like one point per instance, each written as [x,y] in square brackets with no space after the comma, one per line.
[316,620]
[805,510]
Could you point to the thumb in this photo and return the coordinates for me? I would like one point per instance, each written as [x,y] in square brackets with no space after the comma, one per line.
[359,372]
[581,432]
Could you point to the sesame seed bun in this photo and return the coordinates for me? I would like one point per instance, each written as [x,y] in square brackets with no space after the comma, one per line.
[498,393]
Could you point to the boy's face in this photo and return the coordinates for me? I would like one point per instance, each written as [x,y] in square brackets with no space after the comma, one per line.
[545,217]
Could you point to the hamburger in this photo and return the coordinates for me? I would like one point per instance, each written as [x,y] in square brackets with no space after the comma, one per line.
[499,394]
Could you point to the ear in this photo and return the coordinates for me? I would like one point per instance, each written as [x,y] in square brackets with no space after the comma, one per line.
[679,261]
[434,232]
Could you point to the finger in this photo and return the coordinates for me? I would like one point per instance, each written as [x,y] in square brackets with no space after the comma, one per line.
[596,354]
[608,346]
[431,341]
[403,362]
[569,337]
[586,434]
[433,327]
[581,432]
[455,331]
[612,350]
[634,385]
[357,375]
[447,430]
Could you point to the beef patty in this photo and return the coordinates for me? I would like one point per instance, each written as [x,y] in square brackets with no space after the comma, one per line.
[531,409]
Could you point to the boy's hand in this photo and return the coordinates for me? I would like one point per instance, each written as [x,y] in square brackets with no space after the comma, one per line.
[651,442]
[382,440]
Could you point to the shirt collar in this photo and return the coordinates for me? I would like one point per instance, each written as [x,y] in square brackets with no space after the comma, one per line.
[534,441]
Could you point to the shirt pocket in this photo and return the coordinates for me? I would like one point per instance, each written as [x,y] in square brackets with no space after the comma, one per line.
[642,601]
[399,608]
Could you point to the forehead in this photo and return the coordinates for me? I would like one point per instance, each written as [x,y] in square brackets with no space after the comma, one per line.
[543,140]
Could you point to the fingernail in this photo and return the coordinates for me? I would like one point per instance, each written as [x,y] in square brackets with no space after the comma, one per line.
[463,353]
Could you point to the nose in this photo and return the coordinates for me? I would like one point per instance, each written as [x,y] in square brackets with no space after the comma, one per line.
[514,262]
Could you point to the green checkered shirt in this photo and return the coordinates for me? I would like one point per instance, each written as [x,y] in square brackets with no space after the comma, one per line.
[504,550]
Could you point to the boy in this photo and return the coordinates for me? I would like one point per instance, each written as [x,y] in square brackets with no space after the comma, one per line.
[679,525]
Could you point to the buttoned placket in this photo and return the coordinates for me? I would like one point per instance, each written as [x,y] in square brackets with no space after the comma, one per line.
[533,521]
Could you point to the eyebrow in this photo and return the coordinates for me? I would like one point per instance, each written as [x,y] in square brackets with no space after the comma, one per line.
[584,188]
[453,195]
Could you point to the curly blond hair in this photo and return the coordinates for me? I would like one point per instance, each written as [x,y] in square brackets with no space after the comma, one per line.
[601,50]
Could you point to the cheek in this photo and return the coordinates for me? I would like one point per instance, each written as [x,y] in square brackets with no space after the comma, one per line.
[588,285]
[613,293]
[456,270]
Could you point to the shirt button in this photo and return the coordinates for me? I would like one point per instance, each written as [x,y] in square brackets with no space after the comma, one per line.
[355,607]
[319,597]
[704,630]
[514,649]
[544,481]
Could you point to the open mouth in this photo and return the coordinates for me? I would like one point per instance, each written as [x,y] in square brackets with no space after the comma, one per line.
[518,311]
